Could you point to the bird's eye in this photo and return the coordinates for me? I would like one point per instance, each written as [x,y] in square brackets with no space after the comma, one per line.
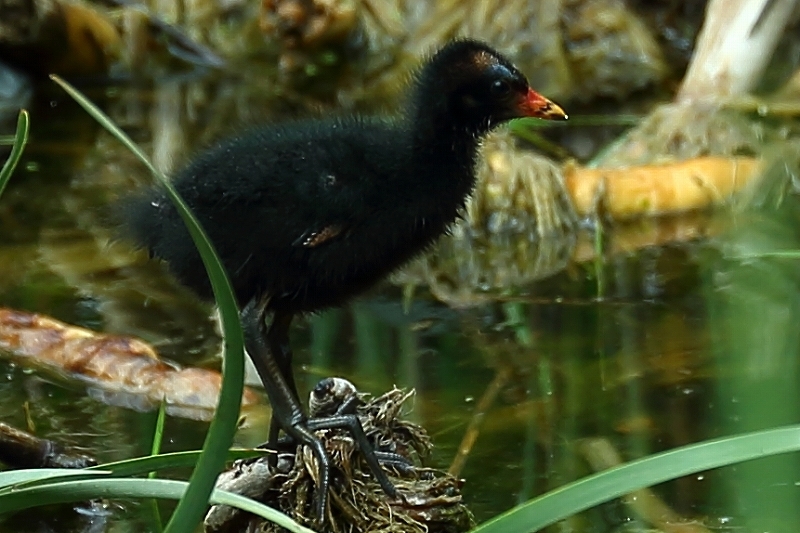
[500,88]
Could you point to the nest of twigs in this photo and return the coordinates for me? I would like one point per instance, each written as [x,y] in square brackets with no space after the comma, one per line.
[431,500]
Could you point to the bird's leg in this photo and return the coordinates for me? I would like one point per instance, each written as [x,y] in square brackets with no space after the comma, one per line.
[278,341]
[285,407]
[282,394]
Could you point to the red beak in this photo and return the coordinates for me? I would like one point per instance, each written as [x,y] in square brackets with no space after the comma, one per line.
[536,105]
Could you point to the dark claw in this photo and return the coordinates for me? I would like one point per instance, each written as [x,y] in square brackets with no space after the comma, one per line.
[339,397]
[396,460]
[286,444]
[352,424]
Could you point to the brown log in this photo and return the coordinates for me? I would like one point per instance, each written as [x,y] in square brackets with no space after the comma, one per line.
[19,449]
[112,363]
[647,190]
[628,237]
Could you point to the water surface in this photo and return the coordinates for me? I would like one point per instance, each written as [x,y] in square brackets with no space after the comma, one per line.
[648,348]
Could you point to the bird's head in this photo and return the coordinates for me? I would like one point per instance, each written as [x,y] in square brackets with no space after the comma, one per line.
[478,88]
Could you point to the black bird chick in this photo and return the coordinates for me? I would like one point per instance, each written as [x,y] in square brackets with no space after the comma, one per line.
[306,215]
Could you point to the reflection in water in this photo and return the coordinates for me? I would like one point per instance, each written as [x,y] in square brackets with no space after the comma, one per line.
[650,347]
[754,312]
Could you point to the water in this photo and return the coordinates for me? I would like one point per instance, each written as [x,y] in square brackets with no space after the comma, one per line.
[652,347]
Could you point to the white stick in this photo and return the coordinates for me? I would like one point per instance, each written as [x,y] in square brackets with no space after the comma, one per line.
[734,46]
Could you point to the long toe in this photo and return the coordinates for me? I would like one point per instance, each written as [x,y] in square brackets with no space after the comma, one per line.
[395,460]
[283,444]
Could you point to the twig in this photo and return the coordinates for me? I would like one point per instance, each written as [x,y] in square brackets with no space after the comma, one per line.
[601,455]
[179,44]
[473,430]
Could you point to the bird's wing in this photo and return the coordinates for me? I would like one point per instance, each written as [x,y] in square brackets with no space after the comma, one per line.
[317,237]
[337,203]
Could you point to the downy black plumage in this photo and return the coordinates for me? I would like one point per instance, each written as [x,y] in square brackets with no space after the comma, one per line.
[307,214]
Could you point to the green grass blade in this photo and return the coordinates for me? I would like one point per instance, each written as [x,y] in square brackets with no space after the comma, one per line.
[151,463]
[20,140]
[191,507]
[578,120]
[73,491]
[13,478]
[158,433]
[155,449]
[615,482]
[777,254]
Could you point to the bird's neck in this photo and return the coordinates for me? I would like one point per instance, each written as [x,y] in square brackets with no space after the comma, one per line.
[444,150]
[439,138]
[438,131]
[444,156]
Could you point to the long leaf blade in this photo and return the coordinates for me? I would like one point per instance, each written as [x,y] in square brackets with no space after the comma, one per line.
[20,140]
[151,463]
[11,479]
[190,509]
[585,493]
[72,491]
